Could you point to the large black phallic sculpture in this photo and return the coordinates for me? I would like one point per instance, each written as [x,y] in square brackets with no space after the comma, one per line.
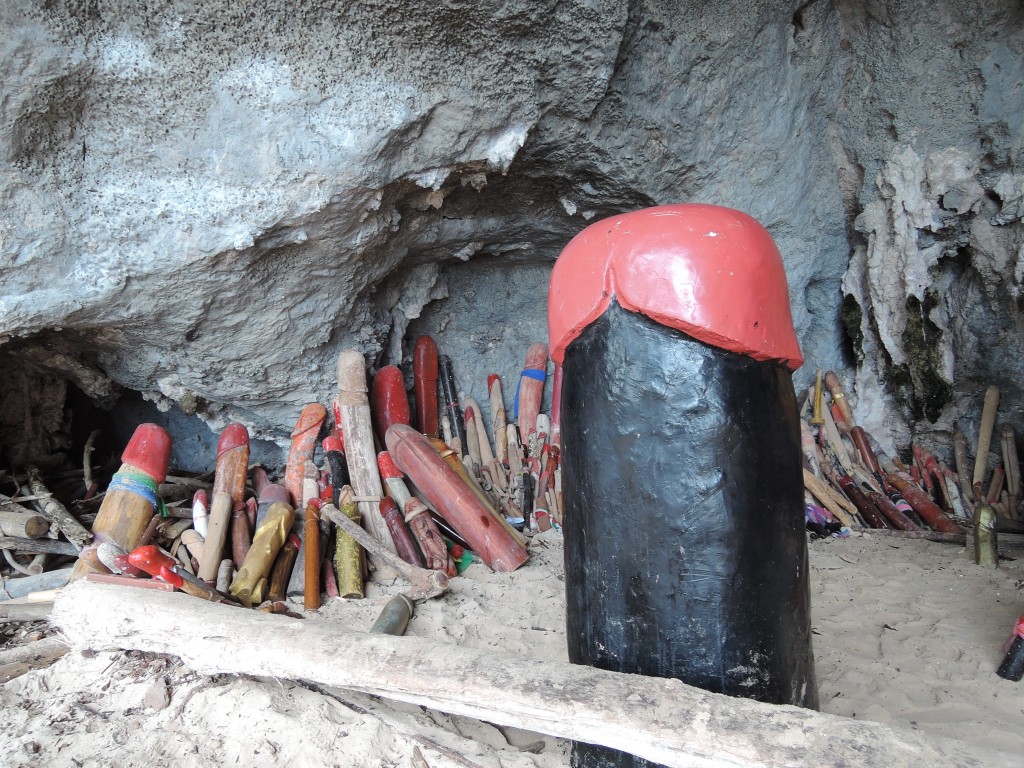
[685,551]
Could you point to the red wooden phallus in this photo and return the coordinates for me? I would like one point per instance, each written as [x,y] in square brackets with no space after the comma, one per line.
[713,273]
[388,402]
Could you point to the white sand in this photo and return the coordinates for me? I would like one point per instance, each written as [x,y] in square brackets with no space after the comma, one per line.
[907,633]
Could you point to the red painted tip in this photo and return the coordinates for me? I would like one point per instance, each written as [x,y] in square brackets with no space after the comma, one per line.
[295,540]
[149,451]
[275,492]
[233,436]
[492,378]
[387,467]
[315,503]
[424,358]
[333,443]
[457,551]
[327,494]
[150,559]
[711,272]
[311,417]
[387,505]
[336,409]
[200,498]
[390,375]
[388,400]
[537,356]
[469,416]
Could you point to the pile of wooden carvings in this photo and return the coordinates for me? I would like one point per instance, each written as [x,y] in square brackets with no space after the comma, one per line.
[426,507]
[848,474]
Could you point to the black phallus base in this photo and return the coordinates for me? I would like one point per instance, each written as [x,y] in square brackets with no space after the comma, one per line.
[685,550]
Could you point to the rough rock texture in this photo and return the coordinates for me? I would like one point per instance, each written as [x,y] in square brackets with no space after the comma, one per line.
[206,202]
[931,116]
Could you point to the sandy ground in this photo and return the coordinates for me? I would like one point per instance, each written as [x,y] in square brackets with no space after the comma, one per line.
[906,632]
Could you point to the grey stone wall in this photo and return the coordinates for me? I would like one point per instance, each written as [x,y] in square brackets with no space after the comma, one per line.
[206,202]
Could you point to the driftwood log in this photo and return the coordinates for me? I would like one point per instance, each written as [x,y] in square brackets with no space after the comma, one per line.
[660,719]
[15,662]
[35,546]
[22,523]
[56,512]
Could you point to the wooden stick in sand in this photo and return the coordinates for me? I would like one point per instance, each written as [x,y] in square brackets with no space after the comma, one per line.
[452,410]
[1008,442]
[531,390]
[304,436]
[962,468]
[835,439]
[424,367]
[348,556]
[360,455]
[498,421]
[388,401]
[475,462]
[988,420]
[839,399]
[311,549]
[817,415]
[228,492]
[489,466]
[995,485]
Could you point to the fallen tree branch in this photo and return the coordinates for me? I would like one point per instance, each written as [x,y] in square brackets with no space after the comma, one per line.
[15,520]
[36,546]
[662,720]
[15,662]
[57,512]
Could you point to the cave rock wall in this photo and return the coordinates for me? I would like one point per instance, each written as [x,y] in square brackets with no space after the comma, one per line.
[205,203]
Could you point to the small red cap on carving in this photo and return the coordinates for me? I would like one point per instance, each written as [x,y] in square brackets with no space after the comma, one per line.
[713,273]
[333,443]
[387,504]
[149,451]
[389,403]
[387,467]
[424,358]
[233,436]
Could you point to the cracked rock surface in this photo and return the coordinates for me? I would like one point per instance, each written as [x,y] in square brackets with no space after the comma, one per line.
[205,203]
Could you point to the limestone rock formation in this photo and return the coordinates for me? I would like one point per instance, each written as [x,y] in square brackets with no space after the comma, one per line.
[205,202]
